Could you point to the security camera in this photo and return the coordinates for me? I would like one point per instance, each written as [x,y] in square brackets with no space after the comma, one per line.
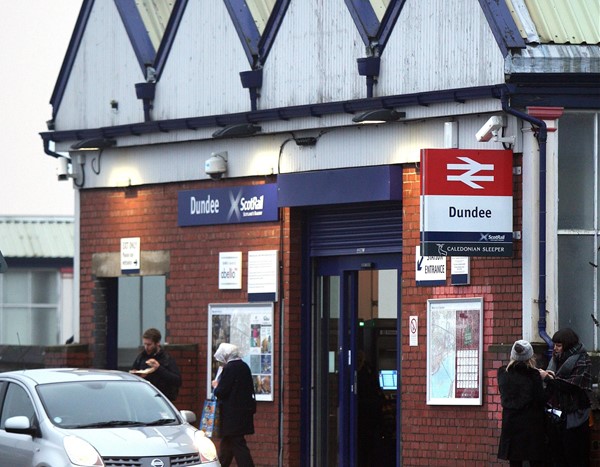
[62,170]
[490,129]
[216,165]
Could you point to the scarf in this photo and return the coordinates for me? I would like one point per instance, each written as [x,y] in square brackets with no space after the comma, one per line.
[573,366]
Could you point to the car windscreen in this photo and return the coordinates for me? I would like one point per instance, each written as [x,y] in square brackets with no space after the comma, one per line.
[98,404]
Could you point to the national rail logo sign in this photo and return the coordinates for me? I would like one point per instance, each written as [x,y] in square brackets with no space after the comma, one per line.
[466,202]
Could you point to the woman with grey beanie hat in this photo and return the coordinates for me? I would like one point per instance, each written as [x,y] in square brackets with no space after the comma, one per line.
[522,396]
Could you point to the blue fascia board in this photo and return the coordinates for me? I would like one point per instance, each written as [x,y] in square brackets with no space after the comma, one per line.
[324,187]
[581,97]
[502,25]
[67,65]
[282,113]
[137,32]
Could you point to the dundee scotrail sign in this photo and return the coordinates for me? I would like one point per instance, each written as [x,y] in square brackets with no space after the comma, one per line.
[466,202]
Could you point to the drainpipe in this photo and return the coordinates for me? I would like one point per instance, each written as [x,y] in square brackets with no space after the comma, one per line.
[542,136]
[49,151]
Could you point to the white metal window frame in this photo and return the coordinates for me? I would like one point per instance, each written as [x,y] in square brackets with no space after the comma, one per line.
[29,307]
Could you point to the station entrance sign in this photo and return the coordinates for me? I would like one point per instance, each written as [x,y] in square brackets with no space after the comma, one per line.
[466,202]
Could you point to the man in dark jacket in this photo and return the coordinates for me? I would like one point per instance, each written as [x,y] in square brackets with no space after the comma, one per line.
[234,390]
[157,366]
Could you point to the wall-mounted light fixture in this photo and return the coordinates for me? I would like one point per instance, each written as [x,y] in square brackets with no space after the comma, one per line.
[379,116]
[78,157]
[93,144]
[238,130]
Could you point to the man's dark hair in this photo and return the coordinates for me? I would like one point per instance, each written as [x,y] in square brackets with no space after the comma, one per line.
[153,334]
[567,337]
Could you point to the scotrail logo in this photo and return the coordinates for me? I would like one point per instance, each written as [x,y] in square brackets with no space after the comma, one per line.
[491,238]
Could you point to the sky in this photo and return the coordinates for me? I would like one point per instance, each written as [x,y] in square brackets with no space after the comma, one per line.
[34,35]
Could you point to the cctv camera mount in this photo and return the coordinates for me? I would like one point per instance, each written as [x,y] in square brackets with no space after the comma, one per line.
[490,131]
[216,165]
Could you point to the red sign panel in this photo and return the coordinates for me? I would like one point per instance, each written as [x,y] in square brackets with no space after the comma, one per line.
[466,172]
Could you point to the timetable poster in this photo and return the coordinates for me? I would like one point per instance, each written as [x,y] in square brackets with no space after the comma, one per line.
[454,351]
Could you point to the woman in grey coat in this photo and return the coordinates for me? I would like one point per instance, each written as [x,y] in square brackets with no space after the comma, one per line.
[523,436]
[234,390]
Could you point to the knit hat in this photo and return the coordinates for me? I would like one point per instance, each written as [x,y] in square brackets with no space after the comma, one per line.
[521,351]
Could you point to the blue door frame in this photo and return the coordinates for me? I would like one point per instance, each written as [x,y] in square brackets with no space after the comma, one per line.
[346,268]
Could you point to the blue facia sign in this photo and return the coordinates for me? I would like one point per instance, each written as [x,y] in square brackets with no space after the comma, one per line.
[233,205]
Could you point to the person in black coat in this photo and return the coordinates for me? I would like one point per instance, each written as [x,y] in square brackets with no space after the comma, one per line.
[234,390]
[523,435]
[157,366]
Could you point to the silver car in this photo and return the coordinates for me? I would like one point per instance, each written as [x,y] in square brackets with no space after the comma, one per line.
[78,417]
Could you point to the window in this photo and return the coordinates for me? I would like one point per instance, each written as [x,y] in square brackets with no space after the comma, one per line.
[16,403]
[29,304]
[141,305]
[578,224]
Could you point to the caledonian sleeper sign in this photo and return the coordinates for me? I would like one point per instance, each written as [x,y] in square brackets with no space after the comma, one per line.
[466,202]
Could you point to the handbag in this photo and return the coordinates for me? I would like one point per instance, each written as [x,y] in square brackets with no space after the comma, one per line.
[209,421]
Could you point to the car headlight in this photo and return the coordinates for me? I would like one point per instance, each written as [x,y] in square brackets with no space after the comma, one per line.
[206,448]
[81,452]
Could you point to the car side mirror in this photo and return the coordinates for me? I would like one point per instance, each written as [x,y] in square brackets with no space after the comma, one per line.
[21,425]
[188,416]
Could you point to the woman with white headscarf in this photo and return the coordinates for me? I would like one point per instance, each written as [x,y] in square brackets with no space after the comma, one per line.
[234,390]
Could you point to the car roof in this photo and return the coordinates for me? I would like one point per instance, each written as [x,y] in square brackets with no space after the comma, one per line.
[58,375]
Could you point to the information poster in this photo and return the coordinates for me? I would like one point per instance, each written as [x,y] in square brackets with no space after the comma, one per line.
[249,326]
[454,351]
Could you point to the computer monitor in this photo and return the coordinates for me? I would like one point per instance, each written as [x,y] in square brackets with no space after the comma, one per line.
[388,380]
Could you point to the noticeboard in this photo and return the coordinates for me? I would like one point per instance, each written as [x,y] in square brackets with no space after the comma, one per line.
[249,326]
[454,351]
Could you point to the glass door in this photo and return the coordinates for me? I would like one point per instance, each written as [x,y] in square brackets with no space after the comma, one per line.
[353,343]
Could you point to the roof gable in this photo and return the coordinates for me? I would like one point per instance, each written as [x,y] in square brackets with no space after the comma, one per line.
[150,26]
[375,20]
[257,22]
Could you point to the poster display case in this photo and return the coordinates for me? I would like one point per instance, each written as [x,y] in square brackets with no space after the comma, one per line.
[454,351]
[249,326]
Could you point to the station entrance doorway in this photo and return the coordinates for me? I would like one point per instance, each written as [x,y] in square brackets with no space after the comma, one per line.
[355,360]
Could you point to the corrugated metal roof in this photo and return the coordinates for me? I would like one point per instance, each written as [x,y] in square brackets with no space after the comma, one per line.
[557,21]
[37,237]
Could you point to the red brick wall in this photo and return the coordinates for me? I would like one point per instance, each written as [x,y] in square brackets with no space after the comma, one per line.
[455,435]
[150,212]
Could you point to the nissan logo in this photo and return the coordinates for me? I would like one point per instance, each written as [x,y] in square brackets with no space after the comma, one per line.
[157,463]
